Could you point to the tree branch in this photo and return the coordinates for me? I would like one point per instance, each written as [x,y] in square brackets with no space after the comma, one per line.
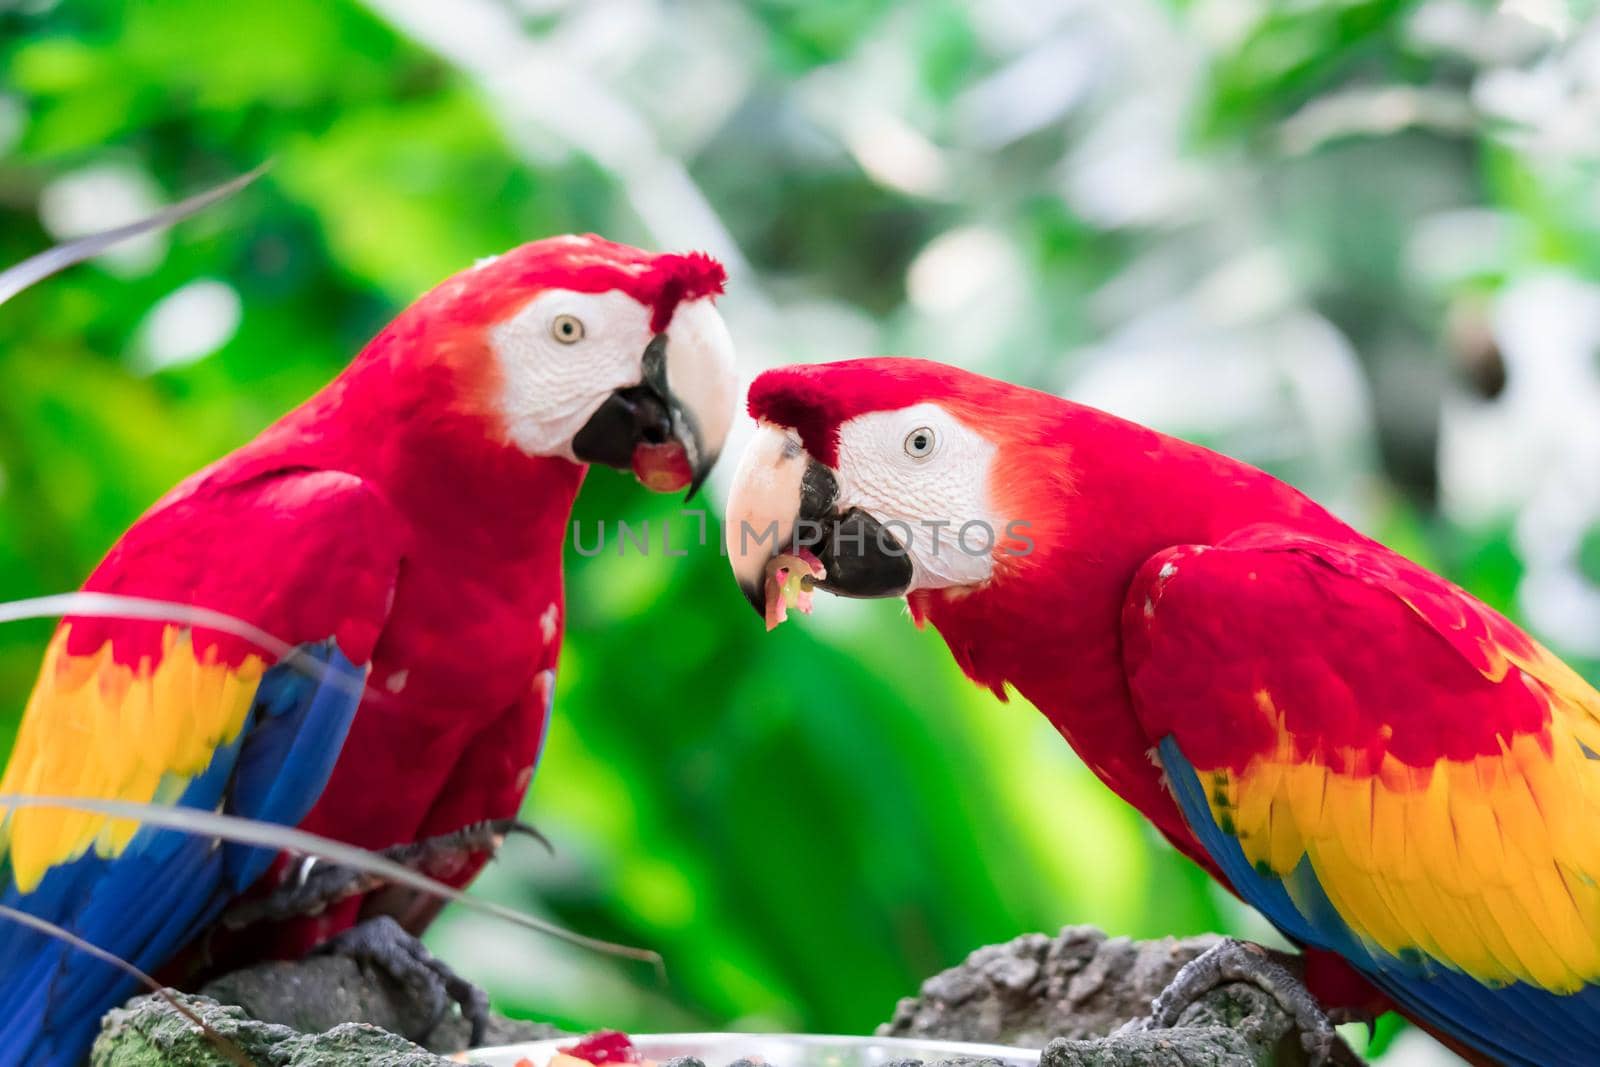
[1068,995]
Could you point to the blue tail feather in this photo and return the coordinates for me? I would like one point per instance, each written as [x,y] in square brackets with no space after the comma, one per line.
[155,897]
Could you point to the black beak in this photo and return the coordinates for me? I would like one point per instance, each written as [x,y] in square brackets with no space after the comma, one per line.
[643,414]
[862,557]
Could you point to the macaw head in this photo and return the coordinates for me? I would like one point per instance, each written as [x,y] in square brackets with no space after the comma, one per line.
[588,350]
[897,475]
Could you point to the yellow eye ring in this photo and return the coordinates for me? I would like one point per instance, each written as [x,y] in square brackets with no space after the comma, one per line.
[566,329]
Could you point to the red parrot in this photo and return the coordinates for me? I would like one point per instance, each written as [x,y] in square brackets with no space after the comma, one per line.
[404,527]
[1405,783]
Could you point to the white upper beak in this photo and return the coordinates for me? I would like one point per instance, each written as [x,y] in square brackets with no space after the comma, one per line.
[763,505]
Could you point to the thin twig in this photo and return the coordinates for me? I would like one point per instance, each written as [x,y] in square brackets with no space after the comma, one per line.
[119,606]
[289,839]
[36,268]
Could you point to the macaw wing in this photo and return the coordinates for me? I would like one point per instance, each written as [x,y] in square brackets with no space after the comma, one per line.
[171,713]
[1387,769]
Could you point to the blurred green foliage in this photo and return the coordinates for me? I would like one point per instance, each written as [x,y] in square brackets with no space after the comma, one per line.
[1295,232]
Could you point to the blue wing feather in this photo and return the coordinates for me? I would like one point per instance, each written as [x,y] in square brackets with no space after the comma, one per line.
[287,759]
[161,892]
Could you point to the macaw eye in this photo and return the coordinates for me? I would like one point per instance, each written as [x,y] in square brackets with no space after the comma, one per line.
[566,329]
[920,442]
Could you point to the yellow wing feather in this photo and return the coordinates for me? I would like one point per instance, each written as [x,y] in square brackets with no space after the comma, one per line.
[1491,865]
[97,728]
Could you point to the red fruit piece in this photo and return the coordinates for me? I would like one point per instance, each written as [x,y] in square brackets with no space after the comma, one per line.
[662,468]
[604,1046]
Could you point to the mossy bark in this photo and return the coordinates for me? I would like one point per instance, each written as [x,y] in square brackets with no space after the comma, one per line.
[1069,995]
[150,1032]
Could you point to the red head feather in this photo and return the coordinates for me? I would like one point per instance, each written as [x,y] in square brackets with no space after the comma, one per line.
[497,287]
[674,278]
[446,331]
[815,399]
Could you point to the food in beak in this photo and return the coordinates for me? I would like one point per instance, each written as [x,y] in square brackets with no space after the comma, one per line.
[663,468]
[791,578]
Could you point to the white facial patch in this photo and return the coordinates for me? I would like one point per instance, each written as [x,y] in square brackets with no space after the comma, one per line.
[554,381]
[924,475]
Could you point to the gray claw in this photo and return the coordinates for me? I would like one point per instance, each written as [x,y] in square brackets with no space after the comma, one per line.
[317,886]
[1238,961]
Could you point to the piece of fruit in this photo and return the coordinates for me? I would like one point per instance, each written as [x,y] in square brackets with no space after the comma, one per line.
[663,468]
[790,579]
[602,1046]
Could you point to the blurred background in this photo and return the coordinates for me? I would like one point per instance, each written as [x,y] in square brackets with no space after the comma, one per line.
[1355,243]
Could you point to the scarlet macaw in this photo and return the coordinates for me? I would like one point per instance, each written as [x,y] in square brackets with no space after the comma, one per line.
[1405,783]
[405,528]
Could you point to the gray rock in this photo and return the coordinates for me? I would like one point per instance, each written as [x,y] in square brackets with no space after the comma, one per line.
[320,992]
[1078,984]
[1206,1047]
[1073,994]
[1070,995]
[150,1032]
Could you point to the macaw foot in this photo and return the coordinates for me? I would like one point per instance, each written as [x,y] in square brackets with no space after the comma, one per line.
[433,853]
[318,886]
[1340,1016]
[1239,961]
[384,944]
